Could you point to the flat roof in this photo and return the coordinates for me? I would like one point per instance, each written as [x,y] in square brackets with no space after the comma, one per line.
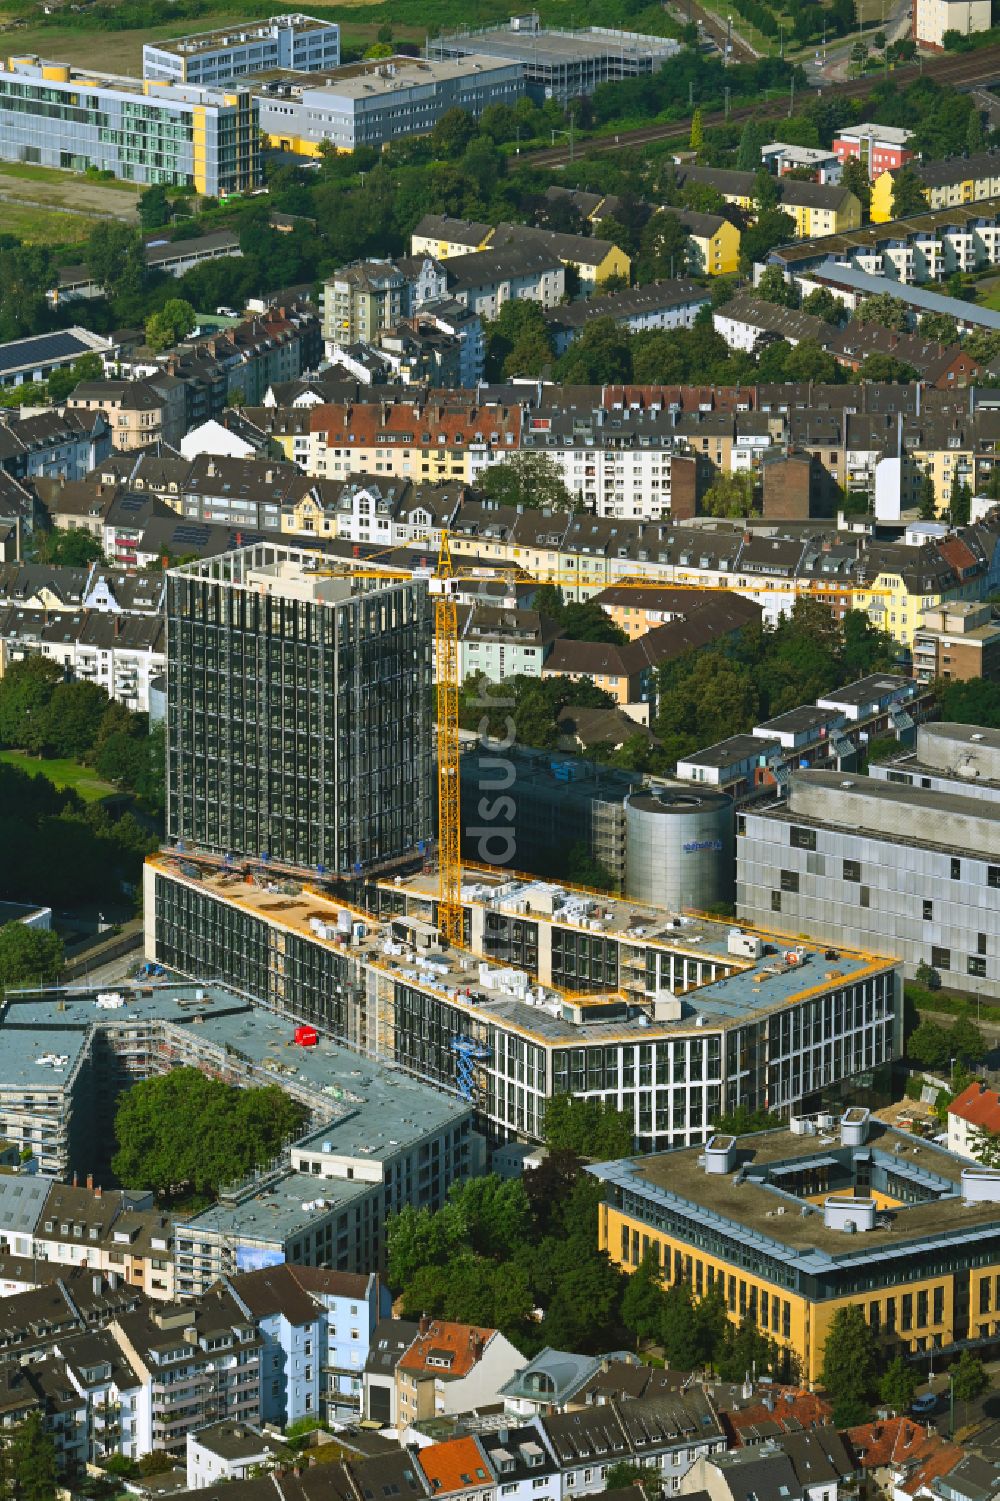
[360,81]
[238,34]
[558,47]
[807,717]
[278,1211]
[749,987]
[373,1108]
[729,752]
[877,685]
[770,1218]
[292,573]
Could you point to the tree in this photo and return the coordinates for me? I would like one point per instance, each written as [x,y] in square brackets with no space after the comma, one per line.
[884,309]
[452,133]
[587,1127]
[154,207]
[898,1385]
[929,1045]
[625,1474]
[185,1130]
[960,503]
[115,258]
[766,191]
[679,1332]
[821,303]
[773,287]
[25,693]
[31,1460]
[940,326]
[968,1377]
[531,480]
[167,327]
[29,956]
[601,356]
[72,549]
[664,246]
[697,136]
[966,1042]
[855,178]
[74,718]
[754,135]
[850,1367]
[810,361]
[927,976]
[745,1349]
[731,494]
[974,132]
[585,869]
[642,1301]
[908,195]
[928,499]
[885,367]
[773,227]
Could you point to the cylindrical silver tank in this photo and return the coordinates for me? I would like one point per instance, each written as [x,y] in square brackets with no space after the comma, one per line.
[679,848]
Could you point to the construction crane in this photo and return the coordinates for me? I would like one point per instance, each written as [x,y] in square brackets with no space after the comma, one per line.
[445,586]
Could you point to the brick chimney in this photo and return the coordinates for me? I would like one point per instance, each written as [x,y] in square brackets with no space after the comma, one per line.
[90,1181]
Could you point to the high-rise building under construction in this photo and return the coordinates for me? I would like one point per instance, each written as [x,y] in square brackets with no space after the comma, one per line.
[299,711]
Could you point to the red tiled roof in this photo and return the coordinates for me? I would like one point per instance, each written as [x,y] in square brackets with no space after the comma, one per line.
[894,1441]
[454,1465]
[446,1349]
[977,1105]
[958,554]
[804,1407]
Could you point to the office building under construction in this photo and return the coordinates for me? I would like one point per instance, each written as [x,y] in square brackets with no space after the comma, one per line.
[674,1019]
[298,712]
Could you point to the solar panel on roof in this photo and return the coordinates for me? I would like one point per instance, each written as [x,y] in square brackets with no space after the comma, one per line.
[41,349]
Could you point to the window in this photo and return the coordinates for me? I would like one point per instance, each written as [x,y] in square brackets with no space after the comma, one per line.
[980,943]
[775,901]
[805,839]
[977,966]
[864,896]
[940,958]
[993,875]
[852,870]
[956,870]
[928,911]
[789,880]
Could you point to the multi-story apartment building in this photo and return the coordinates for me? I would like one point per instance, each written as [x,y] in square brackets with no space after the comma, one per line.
[294,42]
[959,642]
[949,183]
[878,147]
[434,439]
[884,862]
[442,236]
[139,412]
[317,1327]
[933,19]
[298,725]
[922,248]
[180,136]
[818,208]
[373,1141]
[197,1363]
[451,1368]
[361,300]
[488,278]
[374,103]
[661,304]
[59,444]
[497,1021]
[594,260]
[834,1219]
[123,654]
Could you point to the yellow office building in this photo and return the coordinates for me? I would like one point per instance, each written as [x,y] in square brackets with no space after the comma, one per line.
[793,1224]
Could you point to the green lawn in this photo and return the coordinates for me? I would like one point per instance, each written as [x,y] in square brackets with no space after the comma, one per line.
[31,172]
[62,774]
[990,299]
[44,226]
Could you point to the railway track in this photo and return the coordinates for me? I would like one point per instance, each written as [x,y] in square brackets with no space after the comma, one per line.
[968,68]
